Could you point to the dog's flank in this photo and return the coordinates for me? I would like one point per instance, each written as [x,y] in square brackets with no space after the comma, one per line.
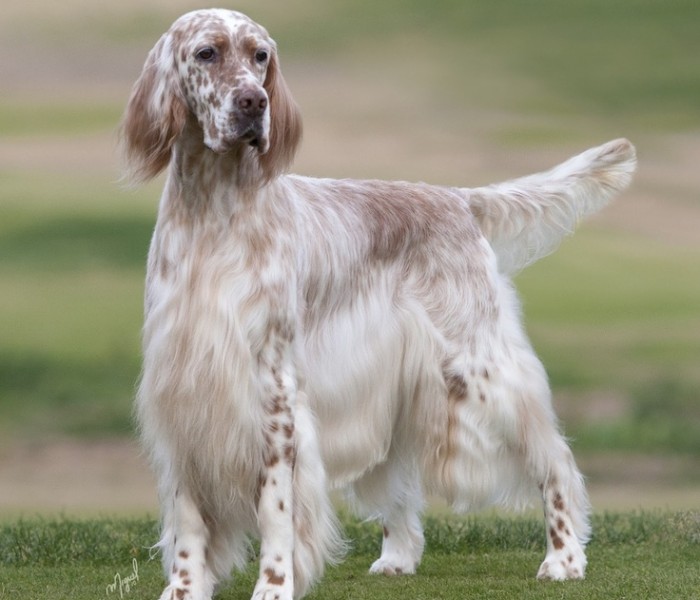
[306,333]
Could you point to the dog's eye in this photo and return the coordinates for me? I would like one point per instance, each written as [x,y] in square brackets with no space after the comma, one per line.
[261,56]
[207,54]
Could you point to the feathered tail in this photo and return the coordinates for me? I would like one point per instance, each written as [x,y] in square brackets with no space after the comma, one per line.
[525,219]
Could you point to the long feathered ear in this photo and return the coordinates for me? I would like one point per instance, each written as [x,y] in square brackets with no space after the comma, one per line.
[155,115]
[285,123]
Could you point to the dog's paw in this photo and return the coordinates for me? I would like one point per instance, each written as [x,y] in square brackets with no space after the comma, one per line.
[392,566]
[267,591]
[272,594]
[174,592]
[562,566]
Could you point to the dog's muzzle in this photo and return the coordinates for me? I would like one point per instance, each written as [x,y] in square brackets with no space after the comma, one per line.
[249,114]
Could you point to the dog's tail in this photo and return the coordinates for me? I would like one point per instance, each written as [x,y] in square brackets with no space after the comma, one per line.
[525,219]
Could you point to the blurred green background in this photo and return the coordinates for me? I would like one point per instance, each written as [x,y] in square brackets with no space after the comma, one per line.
[446,91]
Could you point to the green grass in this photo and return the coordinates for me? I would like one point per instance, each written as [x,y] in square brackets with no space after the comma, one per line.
[632,555]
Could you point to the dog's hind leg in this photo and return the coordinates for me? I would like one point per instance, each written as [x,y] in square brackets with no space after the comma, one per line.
[548,461]
[566,520]
[503,442]
[392,491]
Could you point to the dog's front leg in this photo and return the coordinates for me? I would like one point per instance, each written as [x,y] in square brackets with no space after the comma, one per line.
[275,504]
[185,549]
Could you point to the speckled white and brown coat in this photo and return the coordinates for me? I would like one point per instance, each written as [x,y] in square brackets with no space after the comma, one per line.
[304,333]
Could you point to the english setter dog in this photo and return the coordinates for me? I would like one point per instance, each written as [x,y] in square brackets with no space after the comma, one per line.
[303,334]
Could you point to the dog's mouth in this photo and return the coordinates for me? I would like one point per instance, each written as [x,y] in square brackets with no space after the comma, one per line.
[252,135]
[251,138]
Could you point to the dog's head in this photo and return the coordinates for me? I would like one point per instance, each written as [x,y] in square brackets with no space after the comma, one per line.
[219,70]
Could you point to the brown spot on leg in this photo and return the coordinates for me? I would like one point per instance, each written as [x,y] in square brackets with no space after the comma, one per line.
[558,502]
[289,454]
[281,505]
[273,578]
[183,573]
[180,594]
[386,532]
[183,554]
[561,525]
[277,406]
[556,540]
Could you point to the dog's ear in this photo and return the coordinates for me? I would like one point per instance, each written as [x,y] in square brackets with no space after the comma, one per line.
[155,115]
[285,123]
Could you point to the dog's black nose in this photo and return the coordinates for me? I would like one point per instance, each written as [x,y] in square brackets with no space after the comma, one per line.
[252,102]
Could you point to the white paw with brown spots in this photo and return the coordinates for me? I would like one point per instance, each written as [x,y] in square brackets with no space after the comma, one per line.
[562,565]
[273,586]
[272,593]
[175,592]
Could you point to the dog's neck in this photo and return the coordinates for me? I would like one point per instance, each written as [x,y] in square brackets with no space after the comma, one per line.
[206,182]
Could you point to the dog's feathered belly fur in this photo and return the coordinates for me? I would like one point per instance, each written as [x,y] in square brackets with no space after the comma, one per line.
[302,333]
[387,314]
